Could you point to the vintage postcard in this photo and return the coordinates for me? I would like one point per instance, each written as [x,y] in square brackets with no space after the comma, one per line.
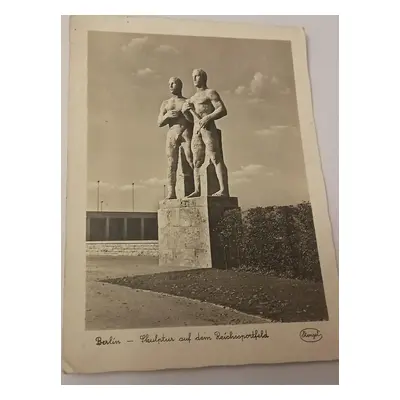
[197,226]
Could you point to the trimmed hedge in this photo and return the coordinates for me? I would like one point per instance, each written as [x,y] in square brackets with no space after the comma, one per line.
[276,240]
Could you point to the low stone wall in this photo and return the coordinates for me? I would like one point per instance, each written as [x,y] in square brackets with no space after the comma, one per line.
[124,248]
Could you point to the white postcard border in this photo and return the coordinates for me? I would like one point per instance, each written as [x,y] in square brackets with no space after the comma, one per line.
[80,352]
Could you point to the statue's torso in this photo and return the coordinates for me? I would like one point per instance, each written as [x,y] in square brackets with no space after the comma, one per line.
[180,123]
[202,103]
[203,106]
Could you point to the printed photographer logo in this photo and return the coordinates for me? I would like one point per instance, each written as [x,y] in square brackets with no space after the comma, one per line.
[310,335]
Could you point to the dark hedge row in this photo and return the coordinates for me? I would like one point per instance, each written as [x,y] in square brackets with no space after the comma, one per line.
[277,240]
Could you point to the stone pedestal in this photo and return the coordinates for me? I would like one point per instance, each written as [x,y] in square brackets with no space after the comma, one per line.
[186,231]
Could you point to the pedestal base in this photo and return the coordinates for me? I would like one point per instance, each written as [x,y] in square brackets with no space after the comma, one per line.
[186,231]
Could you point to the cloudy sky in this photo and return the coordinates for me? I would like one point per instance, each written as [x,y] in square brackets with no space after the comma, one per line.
[127,81]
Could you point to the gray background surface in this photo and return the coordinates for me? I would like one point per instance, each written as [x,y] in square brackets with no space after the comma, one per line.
[323,53]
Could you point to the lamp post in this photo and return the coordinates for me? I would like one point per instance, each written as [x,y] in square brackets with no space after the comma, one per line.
[101,205]
[133,196]
[98,195]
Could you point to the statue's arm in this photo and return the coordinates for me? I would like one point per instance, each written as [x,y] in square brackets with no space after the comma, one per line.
[188,115]
[188,112]
[219,106]
[163,115]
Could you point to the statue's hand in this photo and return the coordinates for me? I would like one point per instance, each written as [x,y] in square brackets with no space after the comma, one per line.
[204,121]
[186,106]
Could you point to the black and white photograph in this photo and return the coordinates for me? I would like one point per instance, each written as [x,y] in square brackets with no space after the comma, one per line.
[198,210]
[201,202]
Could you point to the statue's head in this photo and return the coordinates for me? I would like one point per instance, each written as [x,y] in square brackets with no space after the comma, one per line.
[175,85]
[199,78]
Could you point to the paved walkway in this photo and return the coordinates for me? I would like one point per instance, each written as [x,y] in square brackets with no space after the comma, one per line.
[117,307]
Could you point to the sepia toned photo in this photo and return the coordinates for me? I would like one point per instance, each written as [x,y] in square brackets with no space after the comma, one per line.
[199,210]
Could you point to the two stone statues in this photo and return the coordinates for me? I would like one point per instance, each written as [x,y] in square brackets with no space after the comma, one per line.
[198,194]
[192,128]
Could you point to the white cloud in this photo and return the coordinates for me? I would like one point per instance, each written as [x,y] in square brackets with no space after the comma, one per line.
[126,188]
[145,72]
[135,44]
[286,91]
[240,89]
[264,132]
[166,48]
[254,88]
[138,44]
[106,186]
[280,127]
[255,100]
[247,173]
[259,85]
[275,129]
[142,184]
[248,170]
[258,82]
[239,180]
[102,185]
[274,80]
[154,182]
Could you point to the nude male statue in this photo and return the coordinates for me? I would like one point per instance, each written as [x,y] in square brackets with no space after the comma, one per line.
[205,107]
[179,134]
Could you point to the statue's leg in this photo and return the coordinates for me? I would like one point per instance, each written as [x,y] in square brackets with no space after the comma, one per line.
[213,151]
[198,151]
[172,148]
[186,145]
